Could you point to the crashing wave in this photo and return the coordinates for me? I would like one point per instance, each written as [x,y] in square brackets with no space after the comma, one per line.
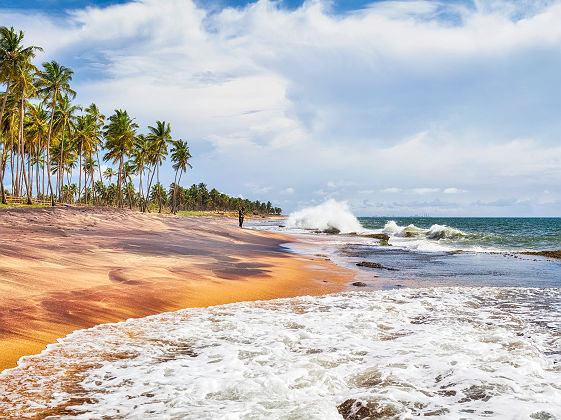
[331,216]
[412,231]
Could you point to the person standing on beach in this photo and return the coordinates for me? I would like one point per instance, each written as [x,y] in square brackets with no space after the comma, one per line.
[241,216]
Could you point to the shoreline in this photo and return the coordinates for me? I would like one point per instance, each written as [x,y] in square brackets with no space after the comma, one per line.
[65,269]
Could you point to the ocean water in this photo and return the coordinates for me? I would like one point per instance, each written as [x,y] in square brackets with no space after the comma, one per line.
[477,336]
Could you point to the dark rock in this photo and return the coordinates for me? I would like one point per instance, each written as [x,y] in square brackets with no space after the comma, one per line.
[369,264]
[359,284]
[332,231]
[381,236]
[353,409]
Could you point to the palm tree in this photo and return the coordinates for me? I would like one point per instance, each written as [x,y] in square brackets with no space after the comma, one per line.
[23,78]
[140,155]
[119,135]
[108,174]
[128,170]
[65,124]
[36,125]
[12,55]
[85,140]
[54,81]
[180,156]
[3,163]
[99,119]
[159,137]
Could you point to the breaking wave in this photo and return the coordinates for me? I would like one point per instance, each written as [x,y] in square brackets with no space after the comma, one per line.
[412,231]
[329,216]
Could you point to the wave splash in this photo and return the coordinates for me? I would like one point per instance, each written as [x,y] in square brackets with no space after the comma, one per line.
[329,216]
[434,232]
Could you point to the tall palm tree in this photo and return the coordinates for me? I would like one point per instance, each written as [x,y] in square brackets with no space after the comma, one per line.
[85,137]
[3,163]
[119,138]
[12,55]
[36,127]
[99,119]
[23,78]
[159,136]
[64,122]
[140,156]
[180,157]
[54,81]
[128,170]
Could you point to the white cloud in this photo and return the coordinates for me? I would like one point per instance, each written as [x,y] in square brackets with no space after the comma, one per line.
[288,191]
[453,190]
[301,96]
[423,191]
[391,190]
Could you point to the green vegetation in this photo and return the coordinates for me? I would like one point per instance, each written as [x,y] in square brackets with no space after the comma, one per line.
[44,135]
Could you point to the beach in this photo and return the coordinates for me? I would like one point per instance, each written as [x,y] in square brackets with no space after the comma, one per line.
[158,316]
[64,269]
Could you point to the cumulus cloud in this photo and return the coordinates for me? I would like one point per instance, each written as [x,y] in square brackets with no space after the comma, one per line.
[391,190]
[307,95]
[453,190]
[425,190]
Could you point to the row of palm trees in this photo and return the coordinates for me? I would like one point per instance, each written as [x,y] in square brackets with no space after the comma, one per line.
[43,134]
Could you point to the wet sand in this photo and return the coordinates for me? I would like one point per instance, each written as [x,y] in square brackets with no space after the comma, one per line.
[63,269]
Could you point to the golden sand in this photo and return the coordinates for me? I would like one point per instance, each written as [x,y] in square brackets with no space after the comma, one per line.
[64,269]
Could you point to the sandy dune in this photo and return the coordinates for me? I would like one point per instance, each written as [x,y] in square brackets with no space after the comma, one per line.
[63,269]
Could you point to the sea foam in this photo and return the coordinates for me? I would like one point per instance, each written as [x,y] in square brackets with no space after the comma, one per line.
[327,216]
[440,352]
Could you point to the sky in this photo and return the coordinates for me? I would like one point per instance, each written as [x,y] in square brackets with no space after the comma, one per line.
[446,108]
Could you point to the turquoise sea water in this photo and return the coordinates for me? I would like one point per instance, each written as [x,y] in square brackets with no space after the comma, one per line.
[537,234]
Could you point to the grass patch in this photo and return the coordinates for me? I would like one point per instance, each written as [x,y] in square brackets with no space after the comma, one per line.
[207,213]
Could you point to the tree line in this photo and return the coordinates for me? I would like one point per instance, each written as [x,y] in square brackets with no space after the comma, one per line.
[44,137]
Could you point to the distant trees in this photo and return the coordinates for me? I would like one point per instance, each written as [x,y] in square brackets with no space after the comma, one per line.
[198,198]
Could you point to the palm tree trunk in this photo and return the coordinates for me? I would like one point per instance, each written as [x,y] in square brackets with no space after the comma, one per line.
[141,191]
[61,166]
[80,177]
[149,186]
[43,177]
[119,191]
[53,105]
[5,99]
[159,190]
[173,210]
[22,145]
[12,160]
[3,164]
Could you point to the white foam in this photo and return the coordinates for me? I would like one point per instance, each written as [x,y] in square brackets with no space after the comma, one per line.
[329,215]
[460,352]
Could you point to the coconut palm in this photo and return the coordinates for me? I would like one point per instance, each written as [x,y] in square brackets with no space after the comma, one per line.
[108,174]
[129,170]
[36,127]
[180,156]
[64,124]
[159,136]
[53,83]
[99,119]
[119,138]
[85,140]
[23,86]
[12,55]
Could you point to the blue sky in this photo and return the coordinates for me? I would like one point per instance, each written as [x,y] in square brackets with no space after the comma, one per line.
[398,107]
